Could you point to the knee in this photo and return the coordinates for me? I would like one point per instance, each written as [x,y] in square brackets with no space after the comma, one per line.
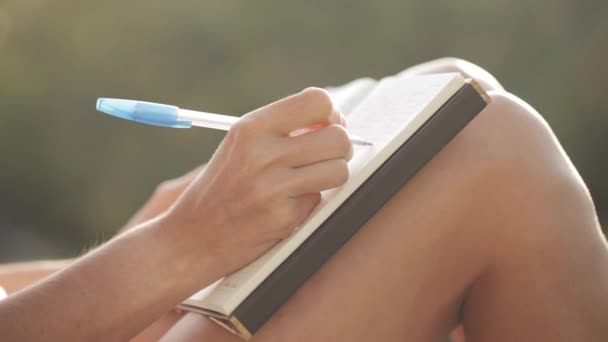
[507,146]
[508,138]
[519,141]
[466,68]
[470,70]
[529,181]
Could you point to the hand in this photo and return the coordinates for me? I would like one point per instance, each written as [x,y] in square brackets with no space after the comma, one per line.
[262,181]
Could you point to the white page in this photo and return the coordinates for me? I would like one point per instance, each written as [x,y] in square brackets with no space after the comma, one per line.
[388,116]
[347,97]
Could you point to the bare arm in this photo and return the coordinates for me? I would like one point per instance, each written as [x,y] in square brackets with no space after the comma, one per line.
[16,276]
[123,281]
[260,183]
[19,275]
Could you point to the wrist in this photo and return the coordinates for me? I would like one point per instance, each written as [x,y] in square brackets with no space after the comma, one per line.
[190,258]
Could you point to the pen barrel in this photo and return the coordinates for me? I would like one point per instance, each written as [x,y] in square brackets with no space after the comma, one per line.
[224,122]
[209,120]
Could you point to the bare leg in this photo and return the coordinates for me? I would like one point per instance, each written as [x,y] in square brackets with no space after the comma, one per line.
[451,64]
[155,331]
[469,70]
[511,235]
[497,230]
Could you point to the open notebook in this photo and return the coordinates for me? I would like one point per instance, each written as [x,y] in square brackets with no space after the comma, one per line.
[387,113]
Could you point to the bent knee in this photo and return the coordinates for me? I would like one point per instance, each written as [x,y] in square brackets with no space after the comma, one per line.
[533,185]
[514,136]
[464,67]
[509,143]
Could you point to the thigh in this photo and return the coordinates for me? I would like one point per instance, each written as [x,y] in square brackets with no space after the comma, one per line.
[548,277]
[156,330]
[497,229]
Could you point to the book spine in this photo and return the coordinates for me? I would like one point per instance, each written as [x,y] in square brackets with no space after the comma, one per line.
[418,150]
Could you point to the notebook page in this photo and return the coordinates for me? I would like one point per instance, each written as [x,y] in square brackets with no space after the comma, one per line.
[347,97]
[389,115]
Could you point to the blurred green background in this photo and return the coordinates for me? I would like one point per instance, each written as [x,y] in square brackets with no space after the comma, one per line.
[70,177]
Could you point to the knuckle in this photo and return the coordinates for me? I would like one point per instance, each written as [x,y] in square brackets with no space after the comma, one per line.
[242,131]
[242,140]
[261,194]
[340,139]
[288,215]
[281,217]
[315,198]
[284,232]
[340,171]
[261,158]
[319,99]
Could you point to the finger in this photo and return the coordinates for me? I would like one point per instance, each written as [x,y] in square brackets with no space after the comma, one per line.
[311,107]
[304,205]
[330,142]
[318,177]
[299,208]
[336,118]
[341,119]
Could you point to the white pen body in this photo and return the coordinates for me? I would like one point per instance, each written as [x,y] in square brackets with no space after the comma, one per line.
[224,122]
[209,120]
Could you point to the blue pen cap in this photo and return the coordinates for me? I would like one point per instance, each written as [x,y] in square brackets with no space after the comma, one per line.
[145,112]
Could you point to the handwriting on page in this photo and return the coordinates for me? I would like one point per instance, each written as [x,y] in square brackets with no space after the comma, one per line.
[400,105]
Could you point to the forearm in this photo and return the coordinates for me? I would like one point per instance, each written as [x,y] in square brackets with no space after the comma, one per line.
[226,217]
[16,276]
[109,294]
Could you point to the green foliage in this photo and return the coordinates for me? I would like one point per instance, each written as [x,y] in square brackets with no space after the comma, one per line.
[71,174]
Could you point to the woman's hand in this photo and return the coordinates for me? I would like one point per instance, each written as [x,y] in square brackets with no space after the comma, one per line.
[260,184]
[262,181]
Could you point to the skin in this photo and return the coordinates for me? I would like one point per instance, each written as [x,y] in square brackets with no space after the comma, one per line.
[222,221]
[497,235]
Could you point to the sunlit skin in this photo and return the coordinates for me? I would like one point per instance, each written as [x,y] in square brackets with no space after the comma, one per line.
[497,235]
[260,183]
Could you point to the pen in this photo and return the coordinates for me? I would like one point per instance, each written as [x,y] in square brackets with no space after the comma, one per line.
[172,116]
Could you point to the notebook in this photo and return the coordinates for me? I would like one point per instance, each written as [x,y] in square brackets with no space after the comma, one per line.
[408,120]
